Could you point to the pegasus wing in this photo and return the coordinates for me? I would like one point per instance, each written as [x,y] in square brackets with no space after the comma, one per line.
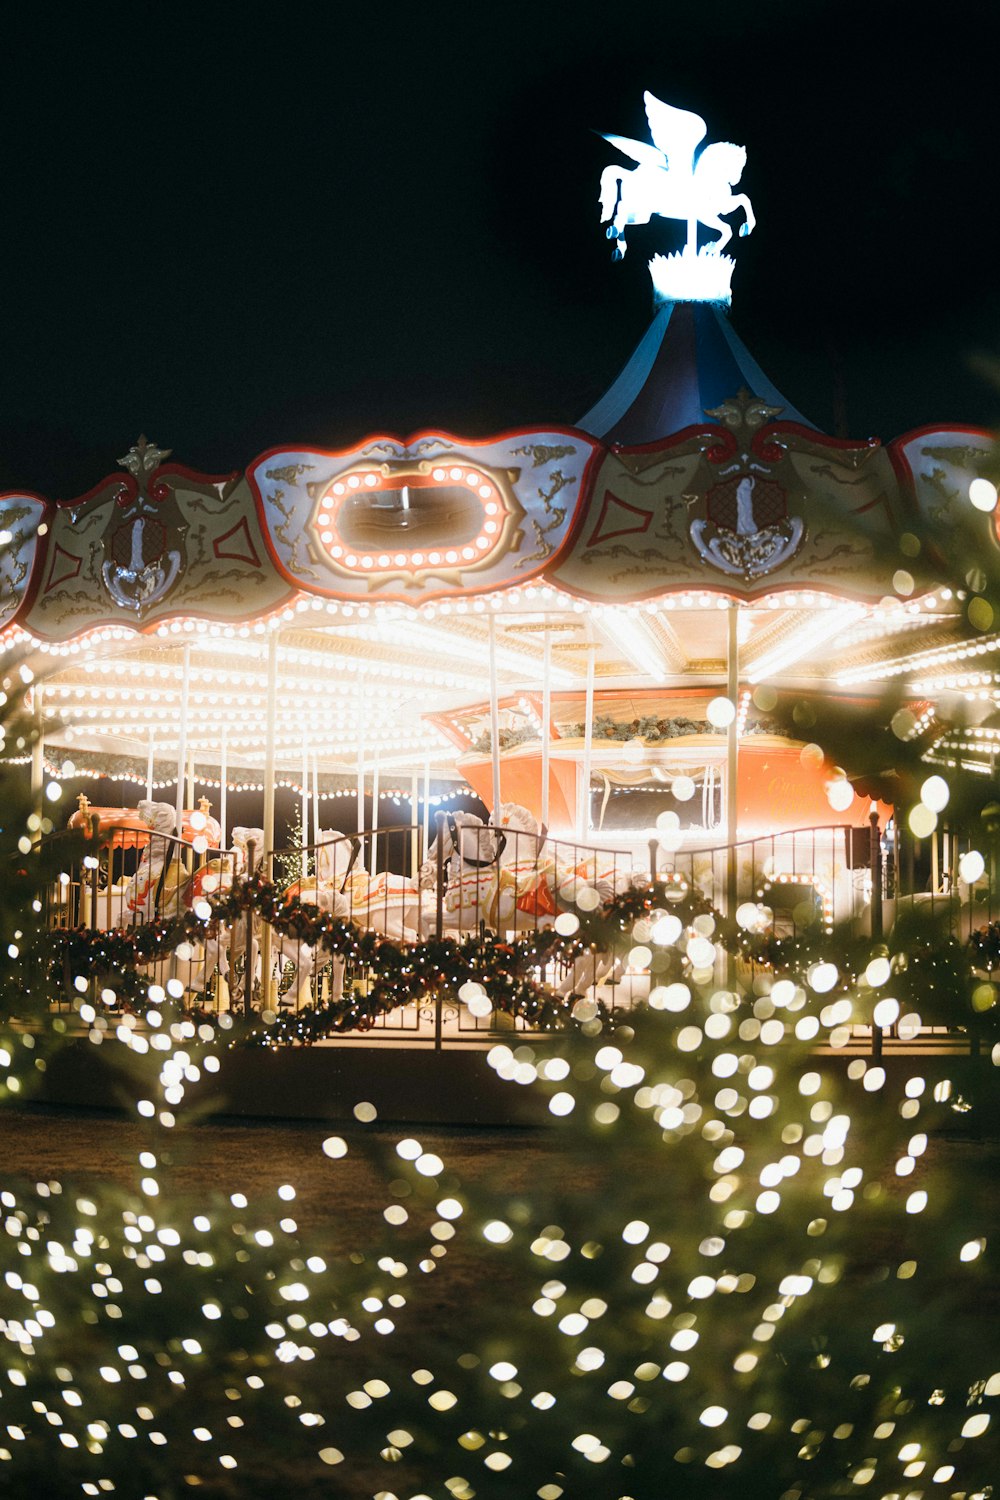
[677,132]
[640,151]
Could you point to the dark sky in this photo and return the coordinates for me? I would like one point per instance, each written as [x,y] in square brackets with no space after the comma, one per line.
[233,228]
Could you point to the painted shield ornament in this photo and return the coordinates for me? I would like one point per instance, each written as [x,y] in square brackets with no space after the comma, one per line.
[143,540]
[747,532]
[676,177]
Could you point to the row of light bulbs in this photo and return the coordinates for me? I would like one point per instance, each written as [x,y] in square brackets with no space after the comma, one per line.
[935,656]
[545,596]
[416,742]
[69,772]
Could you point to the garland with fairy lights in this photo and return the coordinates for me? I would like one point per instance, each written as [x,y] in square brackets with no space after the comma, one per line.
[401,973]
[417,973]
[767,950]
[947,983]
[672,895]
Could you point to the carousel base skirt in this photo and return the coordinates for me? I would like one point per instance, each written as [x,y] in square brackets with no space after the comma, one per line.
[405,1081]
[411,1082]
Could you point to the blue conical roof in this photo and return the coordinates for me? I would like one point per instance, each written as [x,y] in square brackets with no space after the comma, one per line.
[688,362]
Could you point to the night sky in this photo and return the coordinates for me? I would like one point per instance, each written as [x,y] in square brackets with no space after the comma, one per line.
[234,229]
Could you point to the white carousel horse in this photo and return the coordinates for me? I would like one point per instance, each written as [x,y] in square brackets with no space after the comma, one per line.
[335,857]
[285,950]
[507,876]
[387,904]
[195,965]
[471,849]
[211,880]
[224,949]
[154,891]
[566,869]
[150,892]
[384,903]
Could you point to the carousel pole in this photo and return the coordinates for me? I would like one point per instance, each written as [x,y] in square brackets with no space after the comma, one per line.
[375,779]
[190,804]
[223,785]
[426,830]
[935,869]
[361,753]
[37,759]
[149,768]
[182,748]
[315,761]
[427,804]
[414,821]
[494,717]
[732,753]
[268,853]
[546,725]
[583,817]
[305,807]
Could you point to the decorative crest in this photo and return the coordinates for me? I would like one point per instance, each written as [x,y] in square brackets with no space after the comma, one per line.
[670,182]
[143,541]
[143,457]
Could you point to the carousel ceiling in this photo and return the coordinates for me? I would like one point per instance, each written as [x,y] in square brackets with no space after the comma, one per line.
[397,686]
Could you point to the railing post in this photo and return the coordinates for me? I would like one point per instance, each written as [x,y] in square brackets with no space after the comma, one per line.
[95,824]
[875,857]
[875,862]
[654,845]
[248,961]
[440,818]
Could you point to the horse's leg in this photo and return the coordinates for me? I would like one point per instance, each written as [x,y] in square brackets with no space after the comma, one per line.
[305,963]
[611,192]
[740,200]
[725,233]
[613,211]
[587,973]
[337,967]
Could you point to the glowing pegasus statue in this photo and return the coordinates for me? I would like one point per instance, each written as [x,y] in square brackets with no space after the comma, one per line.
[669,182]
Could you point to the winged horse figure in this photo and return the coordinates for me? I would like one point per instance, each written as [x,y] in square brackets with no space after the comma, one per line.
[669,182]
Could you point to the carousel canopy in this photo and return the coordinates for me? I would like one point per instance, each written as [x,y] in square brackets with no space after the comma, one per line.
[689,364]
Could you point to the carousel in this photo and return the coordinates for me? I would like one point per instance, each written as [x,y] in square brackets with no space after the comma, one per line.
[483,677]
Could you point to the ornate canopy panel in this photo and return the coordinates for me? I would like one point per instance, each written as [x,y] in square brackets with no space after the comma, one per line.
[744,505]
[937,464]
[423,519]
[153,544]
[22,533]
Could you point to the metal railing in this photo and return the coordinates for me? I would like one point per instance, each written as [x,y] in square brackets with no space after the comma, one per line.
[475,879]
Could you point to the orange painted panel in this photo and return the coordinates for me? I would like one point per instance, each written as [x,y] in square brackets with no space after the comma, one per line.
[776,789]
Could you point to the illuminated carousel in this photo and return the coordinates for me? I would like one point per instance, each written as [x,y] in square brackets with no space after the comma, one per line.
[577,634]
